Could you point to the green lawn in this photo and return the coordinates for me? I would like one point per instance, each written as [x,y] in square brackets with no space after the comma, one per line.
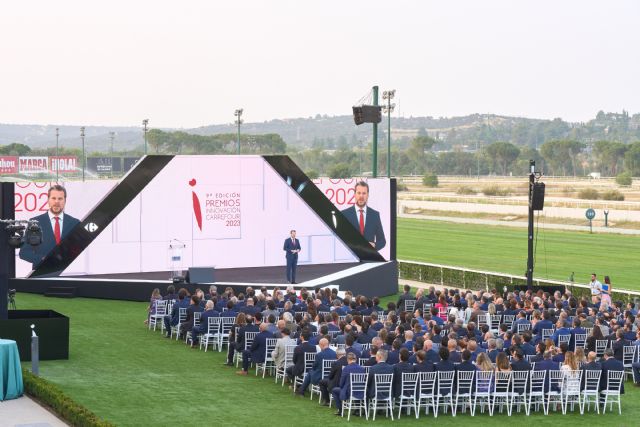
[504,249]
[133,377]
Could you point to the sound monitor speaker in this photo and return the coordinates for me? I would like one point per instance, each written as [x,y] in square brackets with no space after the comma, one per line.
[537,199]
[201,275]
[357,116]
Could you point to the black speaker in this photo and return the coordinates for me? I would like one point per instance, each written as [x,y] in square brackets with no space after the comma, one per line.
[367,114]
[201,275]
[537,199]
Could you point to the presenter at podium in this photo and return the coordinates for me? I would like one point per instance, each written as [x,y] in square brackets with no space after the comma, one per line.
[291,249]
[55,225]
[366,219]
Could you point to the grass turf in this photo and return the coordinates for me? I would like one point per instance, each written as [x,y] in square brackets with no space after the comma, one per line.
[134,377]
[504,249]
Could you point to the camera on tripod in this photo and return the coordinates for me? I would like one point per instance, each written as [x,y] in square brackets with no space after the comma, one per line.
[11,296]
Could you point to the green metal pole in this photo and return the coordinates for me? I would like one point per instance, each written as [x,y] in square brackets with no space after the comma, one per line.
[238,134]
[388,136]
[375,136]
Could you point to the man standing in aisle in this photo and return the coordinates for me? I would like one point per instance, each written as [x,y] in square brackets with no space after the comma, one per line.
[291,249]
[366,219]
[55,225]
[596,289]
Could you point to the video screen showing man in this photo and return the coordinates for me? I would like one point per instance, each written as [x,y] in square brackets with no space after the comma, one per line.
[55,225]
[364,218]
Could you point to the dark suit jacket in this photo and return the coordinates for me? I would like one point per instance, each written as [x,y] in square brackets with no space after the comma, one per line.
[520,365]
[345,380]
[378,368]
[373,231]
[35,254]
[398,370]
[289,246]
[424,367]
[298,357]
[611,364]
[336,372]
[316,372]
[259,346]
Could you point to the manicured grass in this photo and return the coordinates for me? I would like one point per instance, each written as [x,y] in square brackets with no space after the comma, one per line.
[134,377]
[504,249]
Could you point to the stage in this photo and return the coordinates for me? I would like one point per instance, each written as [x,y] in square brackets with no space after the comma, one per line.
[366,278]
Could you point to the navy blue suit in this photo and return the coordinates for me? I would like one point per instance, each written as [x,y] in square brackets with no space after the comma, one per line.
[292,258]
[611,364]
[373,231]
[35,254]
[378,368]
[257,351]
[342,392]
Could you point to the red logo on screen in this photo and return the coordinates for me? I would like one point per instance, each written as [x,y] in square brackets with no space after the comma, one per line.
[197,209]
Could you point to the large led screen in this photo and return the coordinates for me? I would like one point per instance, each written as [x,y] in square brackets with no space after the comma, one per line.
[227,211]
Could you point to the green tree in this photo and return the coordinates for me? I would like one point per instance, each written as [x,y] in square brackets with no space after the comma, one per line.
[632,159]
[503,155]
[340,170]
[561,156]
[15,149]
[609,154]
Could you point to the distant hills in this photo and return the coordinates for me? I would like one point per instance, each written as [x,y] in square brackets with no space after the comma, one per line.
[336,131]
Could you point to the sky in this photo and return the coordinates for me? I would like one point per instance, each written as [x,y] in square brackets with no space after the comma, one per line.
[192,63]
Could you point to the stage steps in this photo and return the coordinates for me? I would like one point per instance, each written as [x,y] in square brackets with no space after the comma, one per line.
[61,291]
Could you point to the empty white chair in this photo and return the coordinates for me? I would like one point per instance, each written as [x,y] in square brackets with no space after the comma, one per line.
[537,389]
[248,340]
[546,333]
[426,392]
[590,392]
[409,304]
[502,391]
[519,390]
[571,392]
[464,384]
[444,395]
[408,388]
[564,338]
[554,391]
[182,316]
[580,341]
[225,330]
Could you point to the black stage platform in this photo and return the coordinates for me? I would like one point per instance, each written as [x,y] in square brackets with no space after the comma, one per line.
[370,279]
[271,275]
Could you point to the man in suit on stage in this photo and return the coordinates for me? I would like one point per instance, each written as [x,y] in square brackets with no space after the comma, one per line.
[291,249]
[55,226]
[366,219]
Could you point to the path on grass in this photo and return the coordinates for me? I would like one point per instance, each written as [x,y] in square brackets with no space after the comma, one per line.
[519,224]
[24,411]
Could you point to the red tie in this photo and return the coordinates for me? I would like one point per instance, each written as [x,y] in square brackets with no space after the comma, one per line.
[362,222]
[56,231]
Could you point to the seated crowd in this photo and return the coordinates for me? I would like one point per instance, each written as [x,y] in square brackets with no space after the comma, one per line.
[432,331]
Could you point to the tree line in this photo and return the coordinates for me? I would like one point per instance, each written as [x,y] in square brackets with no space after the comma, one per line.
[418,157]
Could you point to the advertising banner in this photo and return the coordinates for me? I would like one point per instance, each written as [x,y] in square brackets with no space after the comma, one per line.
[8,164]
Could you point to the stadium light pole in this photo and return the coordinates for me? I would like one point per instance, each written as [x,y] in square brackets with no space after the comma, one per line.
[57,152]
[145,124]
[532,180]
[375,136]
[84,157]
[388,95]
[112,135]
[238,122]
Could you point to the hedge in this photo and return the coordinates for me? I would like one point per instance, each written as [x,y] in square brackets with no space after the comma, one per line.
[51,396]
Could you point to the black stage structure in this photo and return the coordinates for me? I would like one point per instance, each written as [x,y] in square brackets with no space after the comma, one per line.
[372,276]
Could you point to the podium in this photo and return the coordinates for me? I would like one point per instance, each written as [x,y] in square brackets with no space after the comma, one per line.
[176,248]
